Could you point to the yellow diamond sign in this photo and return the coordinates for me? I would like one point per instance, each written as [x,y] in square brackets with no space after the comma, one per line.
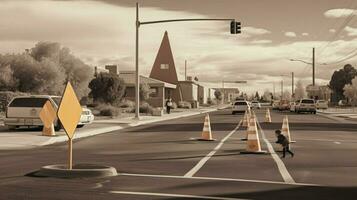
[69,111]
[47,114]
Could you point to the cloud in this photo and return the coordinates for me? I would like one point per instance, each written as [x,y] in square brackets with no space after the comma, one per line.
[339,13]
[290,34]
[331,30]
[254,31]
[261,42]
[305,34]
[351,31]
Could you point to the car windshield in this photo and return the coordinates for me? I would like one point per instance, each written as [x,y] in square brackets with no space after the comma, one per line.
[28,102]
[240,103]
[310,101]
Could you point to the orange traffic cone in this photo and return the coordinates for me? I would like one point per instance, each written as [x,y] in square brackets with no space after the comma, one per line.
[206,132]
[285,130]
[48,131]
[253,143]
[267,116]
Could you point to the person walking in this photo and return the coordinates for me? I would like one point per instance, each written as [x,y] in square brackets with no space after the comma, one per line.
[168,105]
[284,142]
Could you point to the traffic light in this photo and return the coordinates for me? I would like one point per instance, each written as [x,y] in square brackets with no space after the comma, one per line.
[238,27]
[235,27]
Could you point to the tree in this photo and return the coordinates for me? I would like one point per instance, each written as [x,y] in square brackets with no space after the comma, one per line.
[267,95]
[7,81]
[286,95]
[257,96]
[299,90]
[144,91]
[350,91]
[107,88]
[218,94]
[339,79]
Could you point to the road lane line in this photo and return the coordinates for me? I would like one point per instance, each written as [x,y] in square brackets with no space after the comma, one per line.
[281,166]
[337,142]
[200,164]
[217,179]
[172,195]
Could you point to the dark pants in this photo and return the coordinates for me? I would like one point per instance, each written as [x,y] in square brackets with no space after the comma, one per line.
[287,149]
[168,108]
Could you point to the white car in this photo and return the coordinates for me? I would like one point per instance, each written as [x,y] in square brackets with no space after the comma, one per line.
[321,104]
[240,106]
[24,111]
[255,104]
[306,105]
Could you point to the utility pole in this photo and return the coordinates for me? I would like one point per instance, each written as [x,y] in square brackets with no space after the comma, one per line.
[185,70]
[313,66]
[274,90]
[282,87]
[292,84]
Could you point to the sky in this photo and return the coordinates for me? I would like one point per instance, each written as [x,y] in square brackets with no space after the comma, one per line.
[103,32]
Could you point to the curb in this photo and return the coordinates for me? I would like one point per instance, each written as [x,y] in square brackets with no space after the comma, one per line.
[63,138]
[78,171]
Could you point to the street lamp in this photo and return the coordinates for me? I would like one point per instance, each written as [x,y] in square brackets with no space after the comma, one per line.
[235,28]
[313,65]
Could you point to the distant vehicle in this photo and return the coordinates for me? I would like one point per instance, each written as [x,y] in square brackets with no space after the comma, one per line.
[255,104]
[342,103]
[321,104]
[306,105]
[240,106]
[275,105]
[24,111]
[284,105]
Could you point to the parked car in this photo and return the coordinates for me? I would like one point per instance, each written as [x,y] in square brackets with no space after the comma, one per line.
[284,105]
[24,111]
[306,105]
[321,104]
[255,104]
[275,105]
[240,106]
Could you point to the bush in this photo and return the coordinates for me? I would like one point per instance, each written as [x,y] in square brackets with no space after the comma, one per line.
[7,96]
[174,105]
[127,106]
[185,104]
[108,110]
[146,108]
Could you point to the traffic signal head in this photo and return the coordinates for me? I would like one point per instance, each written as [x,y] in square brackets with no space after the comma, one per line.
[238,28]
[233,27]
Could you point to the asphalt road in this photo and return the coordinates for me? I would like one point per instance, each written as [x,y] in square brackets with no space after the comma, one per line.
[162,161]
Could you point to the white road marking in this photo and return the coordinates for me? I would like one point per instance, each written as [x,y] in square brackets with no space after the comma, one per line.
[217,179]
[200,164]
[282,169]
[172,195]
[337,142]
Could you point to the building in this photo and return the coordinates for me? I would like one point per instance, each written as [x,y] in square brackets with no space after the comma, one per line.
[229,94]
[319,92]
[158,88]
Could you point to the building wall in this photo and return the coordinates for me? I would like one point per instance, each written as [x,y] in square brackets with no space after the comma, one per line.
[202,98]
[155,101]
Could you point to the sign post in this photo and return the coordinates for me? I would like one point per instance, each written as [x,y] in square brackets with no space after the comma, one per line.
[69,113]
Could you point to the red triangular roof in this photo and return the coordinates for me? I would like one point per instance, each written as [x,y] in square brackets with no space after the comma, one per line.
[164,66]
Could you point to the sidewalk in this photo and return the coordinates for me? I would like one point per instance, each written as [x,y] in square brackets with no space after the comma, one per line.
[30,138]
[340,114]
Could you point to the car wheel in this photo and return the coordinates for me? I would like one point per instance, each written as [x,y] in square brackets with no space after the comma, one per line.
[80,126]
[315,112]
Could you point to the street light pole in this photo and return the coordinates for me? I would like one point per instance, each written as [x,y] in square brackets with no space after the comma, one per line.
[137,79]
[313,66]
[292,84]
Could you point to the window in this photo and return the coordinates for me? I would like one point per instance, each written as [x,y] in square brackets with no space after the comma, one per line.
[164,66]
[154,92]
[240,103]
[310,101]
[28,102]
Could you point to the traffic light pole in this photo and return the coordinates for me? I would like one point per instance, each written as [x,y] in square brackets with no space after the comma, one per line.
[138,24]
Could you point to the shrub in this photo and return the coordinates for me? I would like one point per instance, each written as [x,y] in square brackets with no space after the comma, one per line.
[174,105]
[146,108]
[127,106]
[185,104]
[108,110]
